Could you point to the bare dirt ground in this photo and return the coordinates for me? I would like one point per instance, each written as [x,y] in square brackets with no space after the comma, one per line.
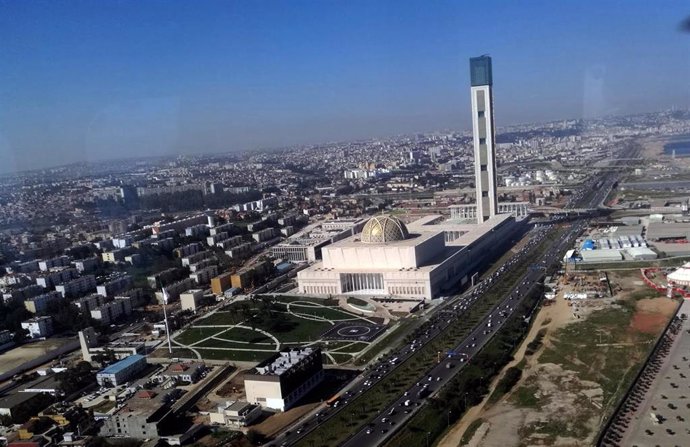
[557,404]
[652,147]
[652,314]
[279,421]
[550,317]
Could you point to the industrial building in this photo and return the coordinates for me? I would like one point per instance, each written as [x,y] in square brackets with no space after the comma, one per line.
[641,254]
[283,379]
[123,371]
[18,405]
[603,255]
[668,231]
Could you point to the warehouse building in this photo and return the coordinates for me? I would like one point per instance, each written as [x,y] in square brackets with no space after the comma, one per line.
[641,253]
[659,231]
[603,255]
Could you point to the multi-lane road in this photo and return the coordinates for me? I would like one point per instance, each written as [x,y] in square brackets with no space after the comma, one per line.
[442,317]
[399,413]
[396,415]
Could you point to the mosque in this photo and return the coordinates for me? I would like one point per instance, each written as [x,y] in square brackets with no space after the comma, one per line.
[431,256]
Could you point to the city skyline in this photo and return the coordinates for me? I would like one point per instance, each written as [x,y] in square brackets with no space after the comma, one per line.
[88,84]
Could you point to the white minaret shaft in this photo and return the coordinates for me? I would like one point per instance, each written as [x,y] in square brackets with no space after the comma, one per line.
[165,317]
[483,137]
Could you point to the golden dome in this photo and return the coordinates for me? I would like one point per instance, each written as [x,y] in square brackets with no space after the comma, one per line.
[382,229]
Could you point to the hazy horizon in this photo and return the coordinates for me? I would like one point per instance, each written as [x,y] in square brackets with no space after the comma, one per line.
[87,81]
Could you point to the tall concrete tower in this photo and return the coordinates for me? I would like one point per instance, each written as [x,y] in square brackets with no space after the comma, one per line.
[483,136]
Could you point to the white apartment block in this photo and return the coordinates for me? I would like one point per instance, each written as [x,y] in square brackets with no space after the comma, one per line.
[39,304]
[115,286]
[77,287]
[39,326]
[203,277]
[112,311]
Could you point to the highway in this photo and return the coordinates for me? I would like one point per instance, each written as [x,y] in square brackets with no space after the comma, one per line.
[591,195]
[399,413]
[442,317]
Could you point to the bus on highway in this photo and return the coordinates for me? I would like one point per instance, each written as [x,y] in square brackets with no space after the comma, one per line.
[333,401]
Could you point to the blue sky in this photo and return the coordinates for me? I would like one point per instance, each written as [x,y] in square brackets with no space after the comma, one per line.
[92,80]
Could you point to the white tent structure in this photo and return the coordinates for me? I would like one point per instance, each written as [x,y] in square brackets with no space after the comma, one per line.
[681,276]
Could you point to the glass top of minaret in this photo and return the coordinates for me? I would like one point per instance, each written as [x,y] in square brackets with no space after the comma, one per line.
[480,71]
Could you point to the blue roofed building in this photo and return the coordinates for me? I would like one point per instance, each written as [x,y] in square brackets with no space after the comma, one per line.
[122,371]
[588,245]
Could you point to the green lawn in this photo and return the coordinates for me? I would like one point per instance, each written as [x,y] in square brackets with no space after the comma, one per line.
[289,328]
[248,335]
[222,318]
[194,334]
[348,347]
[329,313]
[215,343]
[341,358]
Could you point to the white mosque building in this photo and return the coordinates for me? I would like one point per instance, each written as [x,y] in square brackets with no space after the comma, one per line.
[423,260]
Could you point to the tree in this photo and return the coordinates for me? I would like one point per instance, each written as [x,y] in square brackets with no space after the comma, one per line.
[5,420]
[255,437]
